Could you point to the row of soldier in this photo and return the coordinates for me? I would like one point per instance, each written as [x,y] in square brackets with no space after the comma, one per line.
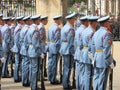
[88,48]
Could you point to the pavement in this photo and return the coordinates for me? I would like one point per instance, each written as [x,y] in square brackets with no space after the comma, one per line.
[8,83]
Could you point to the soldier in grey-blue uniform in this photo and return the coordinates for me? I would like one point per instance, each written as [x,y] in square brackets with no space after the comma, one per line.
[67,49]
[54,46]
[102,42]
[13,25]
[24,50]
[1,56]
[42,31]
[1,49]
[77,23]
[86,42]
[78,56]
[1,21]
[34,51]
[6,44]
[16,48]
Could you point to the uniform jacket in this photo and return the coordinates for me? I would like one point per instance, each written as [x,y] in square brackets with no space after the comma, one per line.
[42,33]
[102,41]
[16,47]
[54,39]
[67,39]
[33,41]
[23,32]
[86,43]
[78,42]
[6,36]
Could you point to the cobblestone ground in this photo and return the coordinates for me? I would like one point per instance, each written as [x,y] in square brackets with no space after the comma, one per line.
[8,84]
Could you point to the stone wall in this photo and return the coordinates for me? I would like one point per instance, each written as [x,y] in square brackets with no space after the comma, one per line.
[105,6]
[49,8]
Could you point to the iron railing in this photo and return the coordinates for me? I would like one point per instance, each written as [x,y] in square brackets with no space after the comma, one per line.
[18,8]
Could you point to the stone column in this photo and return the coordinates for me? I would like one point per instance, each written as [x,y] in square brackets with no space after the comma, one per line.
[110,6]
[91,6]
[103,7]
[117,7]
[49,8]
[97,3]
[114,7]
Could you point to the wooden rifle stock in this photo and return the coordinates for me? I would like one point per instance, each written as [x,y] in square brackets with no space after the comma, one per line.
[11,64]
[111,79]
[60,69]
[111,74]
[41,74]
[73,76]
[45,69]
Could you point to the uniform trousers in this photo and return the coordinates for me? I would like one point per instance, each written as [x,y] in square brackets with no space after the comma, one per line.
[33,73]
[17,67]
[100,78]
[87,76]
[67,66]
[79,75]
[25,70]
[52,67]
[5,64]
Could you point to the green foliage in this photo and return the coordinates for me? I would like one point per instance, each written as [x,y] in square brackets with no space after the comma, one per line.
[71,2]
[72,9]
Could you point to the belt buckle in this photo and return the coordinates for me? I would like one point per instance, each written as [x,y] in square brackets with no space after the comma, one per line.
[30,44]
[99,50]
[51,40]
[85,47]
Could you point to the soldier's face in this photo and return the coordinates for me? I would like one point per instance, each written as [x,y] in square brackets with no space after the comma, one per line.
[86,23]
[21,22]
[9,22]
[108,26]
[58,21]
[45,21]
[95,24]
[37,21]
[72,20]
[29,22]
[14,21]
[1,22]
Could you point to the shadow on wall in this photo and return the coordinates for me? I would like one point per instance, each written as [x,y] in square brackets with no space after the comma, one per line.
[55,3]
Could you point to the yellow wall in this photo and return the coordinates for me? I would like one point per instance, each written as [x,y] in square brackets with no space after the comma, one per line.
[49,8]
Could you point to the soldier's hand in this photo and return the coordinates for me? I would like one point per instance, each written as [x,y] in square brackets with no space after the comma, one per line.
[2,59]
[90,55]
[42,55]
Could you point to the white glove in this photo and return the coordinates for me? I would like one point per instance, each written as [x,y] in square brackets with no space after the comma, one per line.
[93,63]
[11,49]
[112,63]
[42,55]
[112,66]
[2,59]
[73,55]
[90,55]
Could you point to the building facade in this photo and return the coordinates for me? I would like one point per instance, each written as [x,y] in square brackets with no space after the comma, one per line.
[104,7]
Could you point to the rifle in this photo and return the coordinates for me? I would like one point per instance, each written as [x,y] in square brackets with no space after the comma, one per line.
[111,79]
[111,75]
[45,69]
[60,69]
[41,73]
[91,77]
[73,76]
[11,64]
[0,72]
[0,82]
